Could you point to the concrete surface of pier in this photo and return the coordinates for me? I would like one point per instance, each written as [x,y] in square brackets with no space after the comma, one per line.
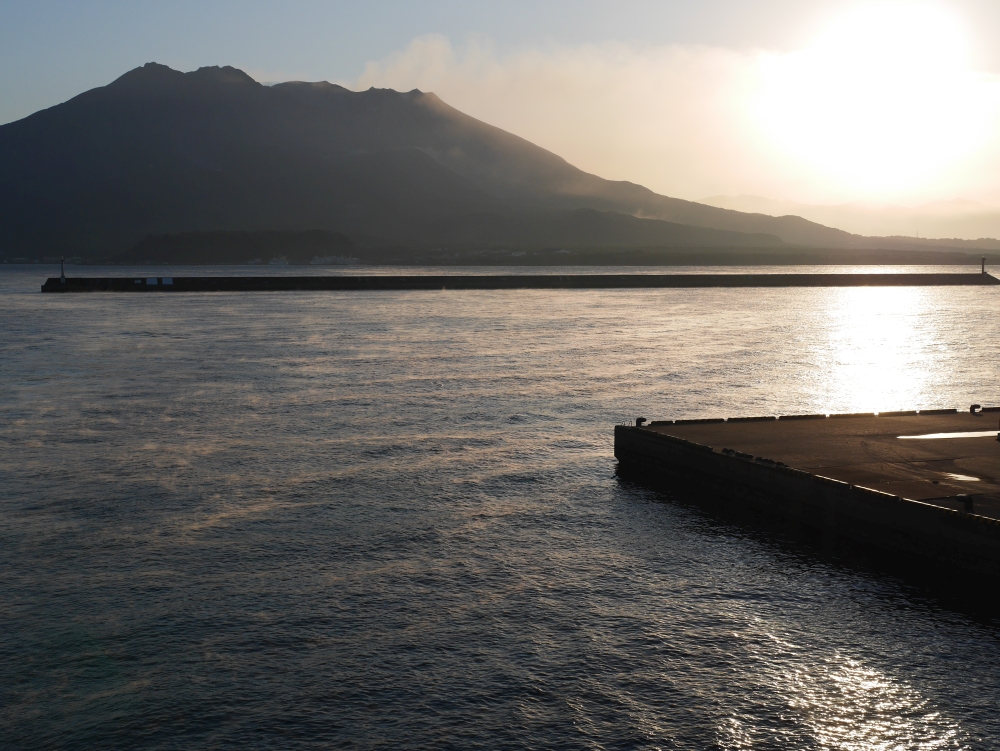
[924,484]
[505,281]
[876,452]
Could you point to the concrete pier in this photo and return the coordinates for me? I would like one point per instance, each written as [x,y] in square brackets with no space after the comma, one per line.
[506,281]
[926,485]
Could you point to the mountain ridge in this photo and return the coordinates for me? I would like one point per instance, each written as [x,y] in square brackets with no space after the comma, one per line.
[158,151]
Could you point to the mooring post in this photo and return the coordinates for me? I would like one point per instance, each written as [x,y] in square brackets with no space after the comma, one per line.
[984,264]
[62,269]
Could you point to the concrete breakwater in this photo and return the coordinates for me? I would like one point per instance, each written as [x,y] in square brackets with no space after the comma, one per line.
[925,486]
[507,281]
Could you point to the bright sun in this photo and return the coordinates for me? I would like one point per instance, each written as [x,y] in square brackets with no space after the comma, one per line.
[883,99]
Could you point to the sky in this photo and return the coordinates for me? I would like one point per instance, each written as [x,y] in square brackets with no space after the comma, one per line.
[816,101]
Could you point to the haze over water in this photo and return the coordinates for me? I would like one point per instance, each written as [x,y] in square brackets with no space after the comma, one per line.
[306,520]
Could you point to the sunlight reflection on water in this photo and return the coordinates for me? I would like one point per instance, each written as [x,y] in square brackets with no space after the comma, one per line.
[848,706]
[881,344]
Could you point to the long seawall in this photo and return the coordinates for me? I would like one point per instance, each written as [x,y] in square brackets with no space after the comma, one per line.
[507,281]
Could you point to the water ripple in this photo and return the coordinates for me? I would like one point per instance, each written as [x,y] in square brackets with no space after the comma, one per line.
[392,519]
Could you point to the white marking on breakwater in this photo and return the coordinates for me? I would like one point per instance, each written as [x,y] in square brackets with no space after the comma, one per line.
[973,434]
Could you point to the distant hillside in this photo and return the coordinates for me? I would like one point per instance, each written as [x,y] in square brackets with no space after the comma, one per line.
[961,224]
[159,152]
[238,247]
[692,246]
[585,228]
[549,230]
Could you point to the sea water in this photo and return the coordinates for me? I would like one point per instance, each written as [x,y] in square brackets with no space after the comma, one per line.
[392,519]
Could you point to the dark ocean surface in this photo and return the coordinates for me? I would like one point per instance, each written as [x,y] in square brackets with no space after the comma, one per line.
[392,520]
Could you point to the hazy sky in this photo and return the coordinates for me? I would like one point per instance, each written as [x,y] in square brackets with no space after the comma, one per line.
[808,100]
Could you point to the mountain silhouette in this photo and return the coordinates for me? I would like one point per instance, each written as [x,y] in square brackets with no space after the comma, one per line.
[159,151]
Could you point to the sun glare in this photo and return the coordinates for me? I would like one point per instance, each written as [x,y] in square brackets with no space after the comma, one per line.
[881,350]
[883,98]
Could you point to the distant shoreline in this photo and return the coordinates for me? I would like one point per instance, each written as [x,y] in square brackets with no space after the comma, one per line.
[624,258]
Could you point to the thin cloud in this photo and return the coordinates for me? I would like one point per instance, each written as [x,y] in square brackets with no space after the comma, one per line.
[697,121]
